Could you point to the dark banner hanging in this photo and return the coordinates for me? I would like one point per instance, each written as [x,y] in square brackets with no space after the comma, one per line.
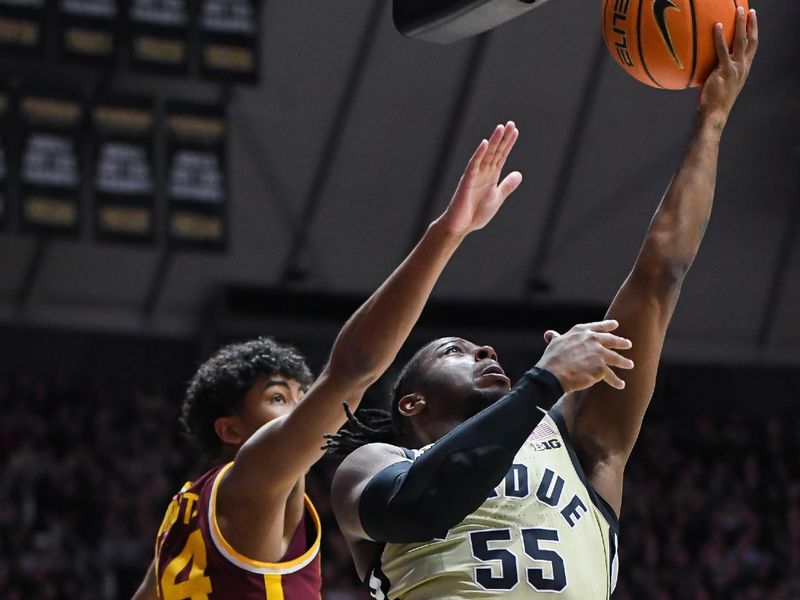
[50,166]
[22,27]
[228,33]
[197,194]
[123,181]
[158,34]
[88,30]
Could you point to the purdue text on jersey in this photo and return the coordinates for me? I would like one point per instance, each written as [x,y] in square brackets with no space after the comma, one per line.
[542,531]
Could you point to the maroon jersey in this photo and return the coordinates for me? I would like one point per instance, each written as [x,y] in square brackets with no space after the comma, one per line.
[195,562]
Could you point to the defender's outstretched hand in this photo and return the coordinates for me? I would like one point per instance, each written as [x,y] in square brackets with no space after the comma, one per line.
[726,80]
[585,354]
[478,196]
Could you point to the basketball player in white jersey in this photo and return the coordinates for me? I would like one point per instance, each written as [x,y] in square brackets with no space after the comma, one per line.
[498,500]
[245,529]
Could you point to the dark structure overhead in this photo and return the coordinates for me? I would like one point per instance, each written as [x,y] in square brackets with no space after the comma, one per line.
[446,21]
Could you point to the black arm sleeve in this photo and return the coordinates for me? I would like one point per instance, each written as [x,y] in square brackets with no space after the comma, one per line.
[415,502]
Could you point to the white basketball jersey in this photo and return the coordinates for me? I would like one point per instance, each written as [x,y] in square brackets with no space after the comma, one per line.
[543,533]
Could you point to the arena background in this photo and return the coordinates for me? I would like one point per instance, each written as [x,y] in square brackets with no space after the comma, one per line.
[337,148]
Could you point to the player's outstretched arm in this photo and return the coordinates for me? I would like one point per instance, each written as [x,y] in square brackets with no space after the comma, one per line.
[272,460]
[604,422]
[378,495]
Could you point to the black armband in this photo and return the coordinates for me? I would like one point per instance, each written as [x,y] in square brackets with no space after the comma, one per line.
[421,500]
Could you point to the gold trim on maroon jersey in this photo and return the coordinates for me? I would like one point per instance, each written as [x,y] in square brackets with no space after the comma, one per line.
[249,564]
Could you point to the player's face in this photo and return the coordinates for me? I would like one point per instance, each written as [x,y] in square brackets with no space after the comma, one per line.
[461,377]
[270,397]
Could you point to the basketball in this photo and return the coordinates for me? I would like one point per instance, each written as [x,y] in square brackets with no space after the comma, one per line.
[667,44]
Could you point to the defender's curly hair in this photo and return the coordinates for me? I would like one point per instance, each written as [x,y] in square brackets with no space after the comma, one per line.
[220,384]
[372,425]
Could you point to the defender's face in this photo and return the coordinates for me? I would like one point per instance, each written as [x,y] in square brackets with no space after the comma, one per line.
[271,396]
[461,376]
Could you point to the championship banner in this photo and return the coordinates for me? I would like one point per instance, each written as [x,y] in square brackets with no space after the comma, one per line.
[158,35]
[88,30]
[50,170]
[196,179]
[5,107]
[228,33]
[123,181]
[22,26]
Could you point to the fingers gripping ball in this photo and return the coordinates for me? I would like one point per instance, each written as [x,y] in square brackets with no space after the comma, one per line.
[667,43]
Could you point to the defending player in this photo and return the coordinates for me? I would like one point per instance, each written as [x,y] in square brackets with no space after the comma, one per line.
[435,523]
[245,529]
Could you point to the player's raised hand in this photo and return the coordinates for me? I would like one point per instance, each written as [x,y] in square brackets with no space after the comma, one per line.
[726,81]
[479,196]
[585,354]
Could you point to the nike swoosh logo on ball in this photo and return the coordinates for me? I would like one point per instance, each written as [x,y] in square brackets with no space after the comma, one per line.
[659,8]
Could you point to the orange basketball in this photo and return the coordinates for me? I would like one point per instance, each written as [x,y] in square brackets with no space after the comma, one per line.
[667,43]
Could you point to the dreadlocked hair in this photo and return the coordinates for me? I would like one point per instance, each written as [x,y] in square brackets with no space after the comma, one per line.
[375,425]
[370,426]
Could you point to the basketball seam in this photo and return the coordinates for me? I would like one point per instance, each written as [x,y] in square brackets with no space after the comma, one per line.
[639,45]
[694,43]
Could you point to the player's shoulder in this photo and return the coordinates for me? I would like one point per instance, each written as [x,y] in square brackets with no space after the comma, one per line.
[372,457]
[352,477]
[363,464]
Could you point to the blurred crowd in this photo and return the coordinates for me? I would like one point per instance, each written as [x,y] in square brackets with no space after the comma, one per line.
[711,511]
[85,473]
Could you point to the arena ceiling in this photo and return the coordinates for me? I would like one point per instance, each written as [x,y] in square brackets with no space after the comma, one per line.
[356,136]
